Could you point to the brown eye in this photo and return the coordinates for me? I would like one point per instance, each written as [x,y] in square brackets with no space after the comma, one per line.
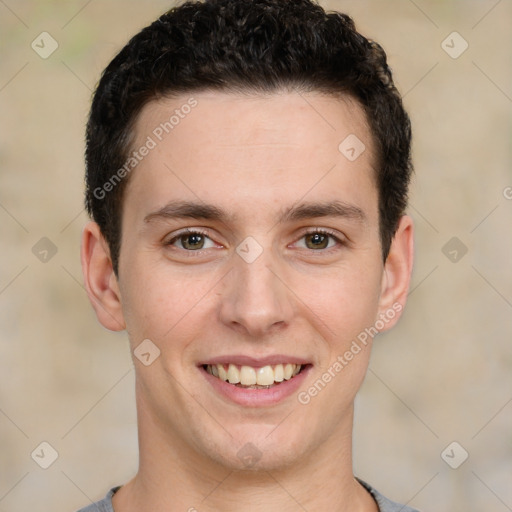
[317,241]
[192,241]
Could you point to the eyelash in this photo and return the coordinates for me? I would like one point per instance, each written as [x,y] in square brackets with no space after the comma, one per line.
[197,231]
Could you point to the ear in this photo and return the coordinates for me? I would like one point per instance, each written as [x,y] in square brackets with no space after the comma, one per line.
[397,273]
[100,280]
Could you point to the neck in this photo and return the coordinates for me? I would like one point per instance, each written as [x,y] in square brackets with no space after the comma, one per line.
[173,476]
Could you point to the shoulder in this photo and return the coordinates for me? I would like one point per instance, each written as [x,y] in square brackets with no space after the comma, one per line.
[105,505]
[385,505]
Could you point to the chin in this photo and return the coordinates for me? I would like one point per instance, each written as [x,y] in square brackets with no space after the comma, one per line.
[257,451]
[253,460]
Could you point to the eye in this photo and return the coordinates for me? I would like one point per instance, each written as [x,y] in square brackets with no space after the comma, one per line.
[192,241]
[318,240]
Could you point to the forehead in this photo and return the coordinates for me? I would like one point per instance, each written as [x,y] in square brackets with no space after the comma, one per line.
[266,149]
[233,118]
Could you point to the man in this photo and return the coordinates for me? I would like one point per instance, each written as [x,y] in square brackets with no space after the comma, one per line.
[247,173]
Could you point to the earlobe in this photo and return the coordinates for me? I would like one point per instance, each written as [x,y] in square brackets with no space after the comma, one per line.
[397,272]
[100,279]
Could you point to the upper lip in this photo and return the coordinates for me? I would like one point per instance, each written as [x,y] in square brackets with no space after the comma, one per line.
[255,362]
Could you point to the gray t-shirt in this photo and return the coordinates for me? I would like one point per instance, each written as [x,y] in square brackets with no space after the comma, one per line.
[384,504]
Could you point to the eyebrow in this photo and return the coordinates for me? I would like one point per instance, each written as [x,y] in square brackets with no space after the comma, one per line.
[327,209]
[302,211]
[187,209]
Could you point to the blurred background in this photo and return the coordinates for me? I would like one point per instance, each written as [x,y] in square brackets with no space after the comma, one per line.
[433,419]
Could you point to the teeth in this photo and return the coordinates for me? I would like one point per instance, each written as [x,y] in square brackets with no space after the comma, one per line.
[223,374]
[279,373]
[265,376]
[233,374]
[247,376]
[253,377]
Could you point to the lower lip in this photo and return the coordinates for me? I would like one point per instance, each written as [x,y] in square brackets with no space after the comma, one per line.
[257,397]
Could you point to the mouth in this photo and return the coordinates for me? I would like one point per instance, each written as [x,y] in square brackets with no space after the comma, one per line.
[255,382]
[249,377]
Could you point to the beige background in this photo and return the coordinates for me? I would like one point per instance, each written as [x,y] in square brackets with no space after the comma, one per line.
[443,375]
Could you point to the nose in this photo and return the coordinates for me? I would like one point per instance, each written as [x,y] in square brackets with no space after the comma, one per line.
[255,298]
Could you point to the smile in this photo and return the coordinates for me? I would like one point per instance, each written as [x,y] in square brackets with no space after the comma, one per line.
[263,377]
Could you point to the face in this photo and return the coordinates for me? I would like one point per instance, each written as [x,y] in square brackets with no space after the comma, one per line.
[251,260]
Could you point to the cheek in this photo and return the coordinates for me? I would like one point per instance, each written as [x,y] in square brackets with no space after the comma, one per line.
[344,301]
[161,305]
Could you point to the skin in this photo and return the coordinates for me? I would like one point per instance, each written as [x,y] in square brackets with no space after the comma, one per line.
[253,157]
